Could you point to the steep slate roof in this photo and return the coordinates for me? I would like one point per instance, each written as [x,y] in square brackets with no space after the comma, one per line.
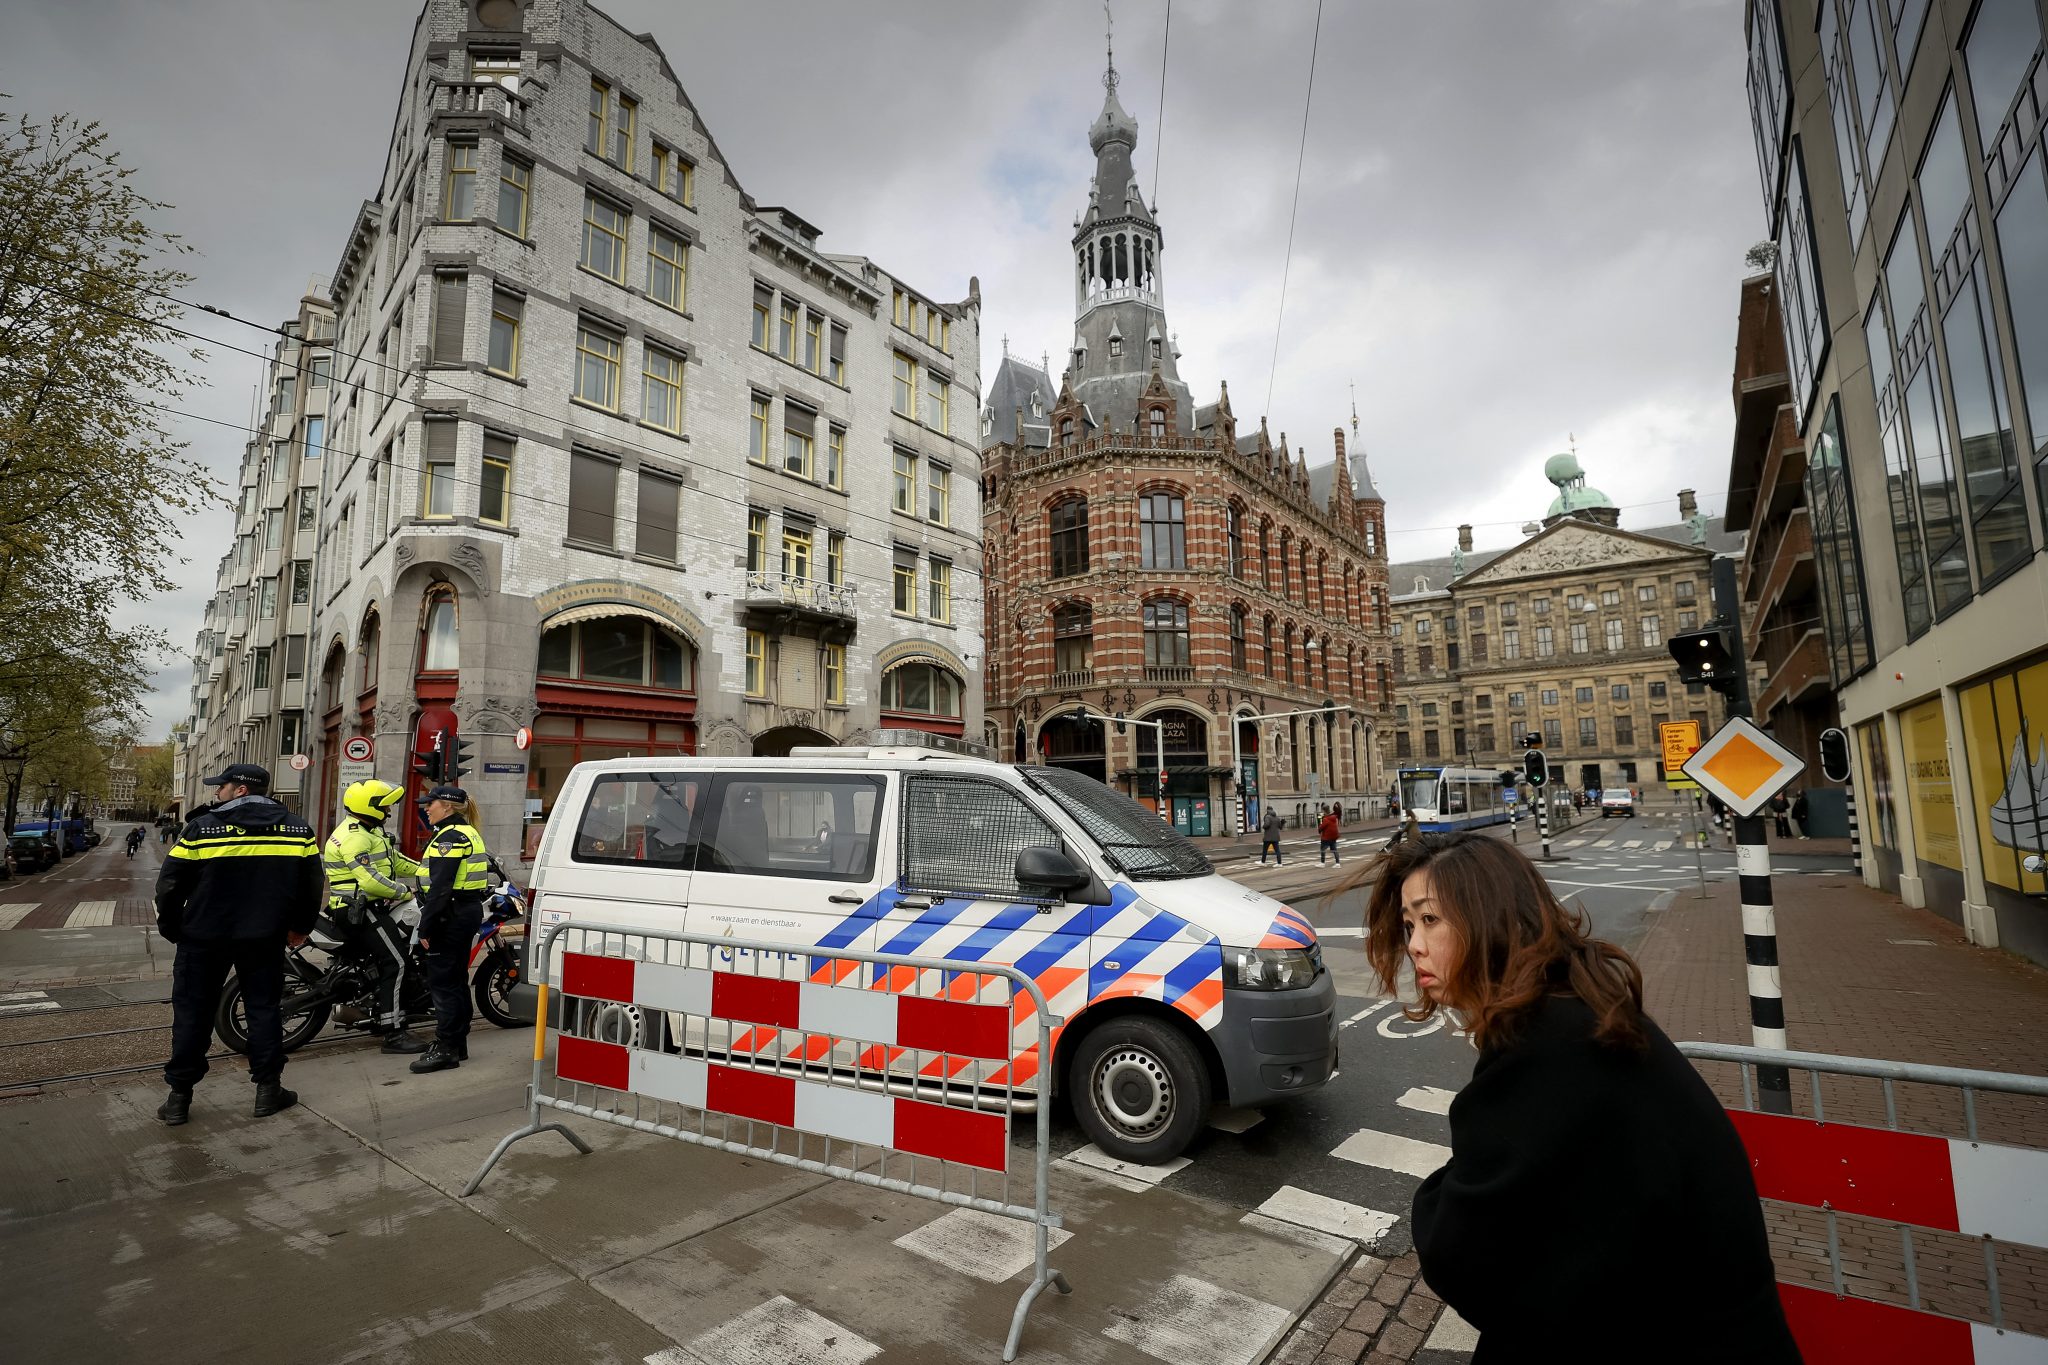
[1012,388]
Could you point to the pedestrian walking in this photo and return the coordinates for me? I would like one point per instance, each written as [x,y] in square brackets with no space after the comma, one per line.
[1780,809]
[1581,1120]
[242,880]
[364,865]
[1269,831]
[1327,830]
[1799,812]
[458,878]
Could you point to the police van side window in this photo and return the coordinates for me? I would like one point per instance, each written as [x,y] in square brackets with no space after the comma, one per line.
[961,837]
[639,820]
[782,824]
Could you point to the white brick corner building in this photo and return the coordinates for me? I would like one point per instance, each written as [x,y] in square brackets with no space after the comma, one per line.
[622,457]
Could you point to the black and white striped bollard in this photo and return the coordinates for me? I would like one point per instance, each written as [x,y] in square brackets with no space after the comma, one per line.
[1760,952]
[1855,832]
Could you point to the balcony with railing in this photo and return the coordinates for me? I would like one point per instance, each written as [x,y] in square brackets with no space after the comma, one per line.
[1070,679]
[792,597]
[1169,673]
[487,98]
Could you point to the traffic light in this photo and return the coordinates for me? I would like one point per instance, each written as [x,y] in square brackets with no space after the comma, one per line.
[1533,740]
[1535,767]
[1834,754]
[428,765]
[1508,780]
[455,758]
[1703,656]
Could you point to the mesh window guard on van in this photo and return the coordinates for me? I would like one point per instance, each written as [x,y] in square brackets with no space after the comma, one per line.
[1138,842]
[961,837]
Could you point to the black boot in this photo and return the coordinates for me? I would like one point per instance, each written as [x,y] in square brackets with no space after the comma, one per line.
[439,1057]
[403,1041]
[271,1097]
[176,1108]
[462,1050]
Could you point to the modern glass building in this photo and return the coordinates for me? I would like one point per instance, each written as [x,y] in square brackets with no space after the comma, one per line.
[1906,189]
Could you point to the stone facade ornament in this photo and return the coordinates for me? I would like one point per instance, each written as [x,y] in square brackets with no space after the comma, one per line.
[499,715]
[469,557]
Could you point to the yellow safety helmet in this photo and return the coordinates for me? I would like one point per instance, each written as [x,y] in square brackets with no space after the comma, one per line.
[371,799]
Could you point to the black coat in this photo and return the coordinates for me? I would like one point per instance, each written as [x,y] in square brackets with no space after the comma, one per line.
[247,868]
[1598,1206]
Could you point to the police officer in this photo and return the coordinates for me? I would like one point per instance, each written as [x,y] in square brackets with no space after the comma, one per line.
[458,878]
[242,880]
[363,867]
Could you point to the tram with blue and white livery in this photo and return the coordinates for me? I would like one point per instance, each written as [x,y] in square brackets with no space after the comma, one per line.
[1447,798]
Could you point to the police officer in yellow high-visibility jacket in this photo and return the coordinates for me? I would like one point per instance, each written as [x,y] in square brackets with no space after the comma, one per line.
[458,879]
[363,860]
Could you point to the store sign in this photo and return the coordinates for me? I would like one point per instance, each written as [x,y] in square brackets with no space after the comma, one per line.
[1930,784]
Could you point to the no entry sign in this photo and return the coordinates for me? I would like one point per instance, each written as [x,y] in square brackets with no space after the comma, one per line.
[358,749]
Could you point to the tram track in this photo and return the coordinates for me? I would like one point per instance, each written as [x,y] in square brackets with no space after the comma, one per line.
[15,1089]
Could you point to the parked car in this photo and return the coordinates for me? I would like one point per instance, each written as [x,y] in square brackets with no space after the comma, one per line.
[32,850]
[1617,801]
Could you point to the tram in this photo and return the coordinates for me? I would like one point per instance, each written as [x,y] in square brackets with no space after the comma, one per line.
[1445,798]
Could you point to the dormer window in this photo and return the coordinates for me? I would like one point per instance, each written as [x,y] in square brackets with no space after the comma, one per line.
[1155,348]
[1116,347]
[1158,423]
[988,422]
[1037,406]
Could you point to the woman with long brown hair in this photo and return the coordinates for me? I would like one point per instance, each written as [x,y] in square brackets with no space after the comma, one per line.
[1598,1205]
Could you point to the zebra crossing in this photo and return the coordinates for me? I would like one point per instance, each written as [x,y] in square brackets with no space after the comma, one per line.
[84,914]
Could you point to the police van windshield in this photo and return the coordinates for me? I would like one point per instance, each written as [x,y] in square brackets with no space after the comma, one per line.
[1137,842]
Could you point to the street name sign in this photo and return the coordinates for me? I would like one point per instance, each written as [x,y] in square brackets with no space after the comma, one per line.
[1743,766]
[1679,738]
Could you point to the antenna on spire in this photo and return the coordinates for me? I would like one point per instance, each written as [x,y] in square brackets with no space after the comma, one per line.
[1006,345]
[1354,410]
[1109,42]
[1572,441]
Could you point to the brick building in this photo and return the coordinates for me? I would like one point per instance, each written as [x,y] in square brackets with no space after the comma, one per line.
[1145,559]
[1564,634]
[621,456]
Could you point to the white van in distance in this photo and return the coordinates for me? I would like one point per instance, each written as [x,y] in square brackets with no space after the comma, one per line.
[1178,986]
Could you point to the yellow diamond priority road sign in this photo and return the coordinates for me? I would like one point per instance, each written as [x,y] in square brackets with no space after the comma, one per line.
[1743,766]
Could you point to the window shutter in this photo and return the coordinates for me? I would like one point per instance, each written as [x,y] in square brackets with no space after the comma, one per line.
[655,532]
[801,420]
[593,498]
[451,302]
[839,343]
[441,441]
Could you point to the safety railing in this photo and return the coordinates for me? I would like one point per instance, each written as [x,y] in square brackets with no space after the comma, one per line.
[1987,1192]
[837,1062]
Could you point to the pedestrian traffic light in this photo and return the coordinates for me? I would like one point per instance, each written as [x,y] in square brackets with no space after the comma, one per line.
[1703,656]
[1834,754]
[455,759]
[1535,767]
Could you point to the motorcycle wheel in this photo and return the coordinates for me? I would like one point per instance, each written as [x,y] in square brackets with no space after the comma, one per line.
[493,990]
[231,1020]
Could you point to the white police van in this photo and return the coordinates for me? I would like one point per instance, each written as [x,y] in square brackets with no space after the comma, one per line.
[1178,986]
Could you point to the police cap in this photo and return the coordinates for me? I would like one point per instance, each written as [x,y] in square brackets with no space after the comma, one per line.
[254,776]
[445,792]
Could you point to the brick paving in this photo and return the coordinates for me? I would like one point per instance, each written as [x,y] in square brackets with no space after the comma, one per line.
[1375,1311]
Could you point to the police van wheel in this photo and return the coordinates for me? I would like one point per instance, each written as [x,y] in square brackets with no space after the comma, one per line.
[1139,1089]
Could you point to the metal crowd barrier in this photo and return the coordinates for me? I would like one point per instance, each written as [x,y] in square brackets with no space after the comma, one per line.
[831,1061]
[1987,1191]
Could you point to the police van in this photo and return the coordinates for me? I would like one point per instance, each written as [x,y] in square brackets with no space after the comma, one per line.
[1178,987]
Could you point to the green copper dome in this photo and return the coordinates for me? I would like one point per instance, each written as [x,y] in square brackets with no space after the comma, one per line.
[1572,493]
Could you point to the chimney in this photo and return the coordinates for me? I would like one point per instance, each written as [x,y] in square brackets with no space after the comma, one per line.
[1465,539]
[1688,506]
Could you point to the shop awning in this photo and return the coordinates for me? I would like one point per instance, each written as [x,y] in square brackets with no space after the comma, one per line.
[598,611]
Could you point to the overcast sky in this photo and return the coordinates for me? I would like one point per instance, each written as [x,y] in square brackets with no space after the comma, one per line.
[1519,219]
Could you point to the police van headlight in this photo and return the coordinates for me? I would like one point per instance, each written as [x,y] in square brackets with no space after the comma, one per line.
[1270,969]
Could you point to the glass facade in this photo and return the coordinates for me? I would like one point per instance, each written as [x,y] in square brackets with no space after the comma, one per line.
[1837,554]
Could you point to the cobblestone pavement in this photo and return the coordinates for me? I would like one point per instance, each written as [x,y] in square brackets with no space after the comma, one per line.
[1378,1311]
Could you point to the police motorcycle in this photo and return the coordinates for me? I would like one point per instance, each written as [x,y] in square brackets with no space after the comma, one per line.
[334,974]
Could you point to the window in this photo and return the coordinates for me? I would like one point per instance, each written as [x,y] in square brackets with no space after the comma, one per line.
[506,313]
[1688,620]
[437,487]
[785,330]
[1624,732]
[1990,462]
[835,558]
[924,688]
[1429,710]
[1431,746]
[1610,597]
[514,181]
[1682,590]
[1477,644]
[302,582]
[903,394]
[655,517]
[757,542]
[667,267]
[835,457]
[1575,601]
[1582,694]
[2002,39]
[1544,646]
[938,485]
[1159,424]
[661,389]
[814,343]
[796,553]
[1162,531]
[259,667]
[903,585]
[320,371]
[1517,700]
[604,239]
[757,664]
[1548,696]
[593,498]
[1233,524]
[1237,641]
[1553,734]
[1589,731]
[1404,745]
[834,674]
[1116,347]
[458,196]
[1166,634]
[1581,638]
[2023,237]
[674,176]
[596,131]
[598,357]
[939,592]
[316,444]
[1070,538]
[494,489]
[622,133]
[1613,636]
[1073,638]
[799,439]
[1511,643]
[764,299]
[904,496]
[309,508]
[1659,690]
[500,69]
[1618,692]
[1838,555]
[835,360]
[937,403]
[620,650]
[1541,606]
[451,309]
[757,431]
[266,599]
[1650,636]
[1646,593]
[1484,701]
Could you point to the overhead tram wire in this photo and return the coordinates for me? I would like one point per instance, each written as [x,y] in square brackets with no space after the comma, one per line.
[507,404]
[1300,158]
[1159,124]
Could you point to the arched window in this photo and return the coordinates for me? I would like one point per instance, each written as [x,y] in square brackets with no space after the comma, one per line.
[1158,415]
[1286,554]
[1162,528]
[1070,538]
[619,651]
[440,639]
[1166,634]
[1066,431]
[1266,561]
[371,651]
[925,689]
[1287,652]
[1237,642]
[1233,530]
[1372,536]
[1073,638]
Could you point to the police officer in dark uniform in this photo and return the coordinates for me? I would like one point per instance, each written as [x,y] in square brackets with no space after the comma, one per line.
[458,881]
[242,880]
